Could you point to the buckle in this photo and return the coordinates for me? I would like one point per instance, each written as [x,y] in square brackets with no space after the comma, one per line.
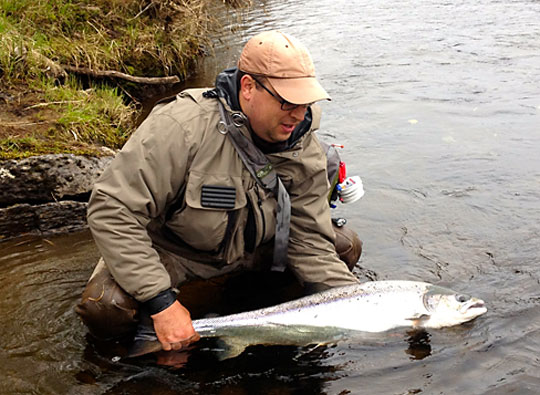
[238,119]
[222,127]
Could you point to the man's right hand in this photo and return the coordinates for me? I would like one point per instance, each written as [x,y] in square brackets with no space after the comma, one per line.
[174,328]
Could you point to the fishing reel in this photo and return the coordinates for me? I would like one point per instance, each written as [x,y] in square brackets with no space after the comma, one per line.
[347,189]
[350,190]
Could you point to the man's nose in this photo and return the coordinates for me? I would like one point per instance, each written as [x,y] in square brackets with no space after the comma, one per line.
[299,113]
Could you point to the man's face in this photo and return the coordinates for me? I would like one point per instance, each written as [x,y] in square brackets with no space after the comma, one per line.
[267,119]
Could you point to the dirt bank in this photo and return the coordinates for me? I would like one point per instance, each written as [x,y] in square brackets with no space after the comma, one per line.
[73,74]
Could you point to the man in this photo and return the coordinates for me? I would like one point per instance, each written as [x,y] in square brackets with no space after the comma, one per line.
[205,184]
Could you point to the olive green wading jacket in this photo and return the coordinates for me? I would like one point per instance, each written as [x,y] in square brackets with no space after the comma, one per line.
[157,181]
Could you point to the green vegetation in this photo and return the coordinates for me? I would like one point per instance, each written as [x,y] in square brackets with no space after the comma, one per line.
[51,102]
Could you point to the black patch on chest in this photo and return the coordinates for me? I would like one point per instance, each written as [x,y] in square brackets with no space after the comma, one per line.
[215,196]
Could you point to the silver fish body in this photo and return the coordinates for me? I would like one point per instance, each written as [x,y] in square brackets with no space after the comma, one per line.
[341,312]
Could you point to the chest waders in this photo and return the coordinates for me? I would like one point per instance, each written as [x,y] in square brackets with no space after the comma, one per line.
[264,174]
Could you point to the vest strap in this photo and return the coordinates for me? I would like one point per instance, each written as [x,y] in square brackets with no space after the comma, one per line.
[265,175]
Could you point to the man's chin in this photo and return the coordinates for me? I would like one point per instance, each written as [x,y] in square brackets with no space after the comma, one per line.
[281,138]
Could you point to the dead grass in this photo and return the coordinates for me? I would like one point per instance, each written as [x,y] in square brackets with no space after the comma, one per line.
[44,109]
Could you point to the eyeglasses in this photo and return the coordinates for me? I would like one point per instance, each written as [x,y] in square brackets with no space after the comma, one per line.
[285,105]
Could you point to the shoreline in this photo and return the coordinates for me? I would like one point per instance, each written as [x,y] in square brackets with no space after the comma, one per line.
[64,114]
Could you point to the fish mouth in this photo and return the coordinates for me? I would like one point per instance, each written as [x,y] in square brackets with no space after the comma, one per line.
[475,307]
[477,304]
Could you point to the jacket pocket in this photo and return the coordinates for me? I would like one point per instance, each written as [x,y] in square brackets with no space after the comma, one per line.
[262,217]
[209,217]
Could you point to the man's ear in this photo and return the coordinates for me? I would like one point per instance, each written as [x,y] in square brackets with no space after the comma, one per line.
[247,86]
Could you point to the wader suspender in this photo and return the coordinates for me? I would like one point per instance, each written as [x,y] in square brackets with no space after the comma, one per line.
[262,170]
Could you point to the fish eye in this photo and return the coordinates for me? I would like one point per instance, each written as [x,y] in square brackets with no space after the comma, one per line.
[462,298]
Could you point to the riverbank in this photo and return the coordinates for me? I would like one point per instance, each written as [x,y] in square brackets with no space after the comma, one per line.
[73,78]
[73,75]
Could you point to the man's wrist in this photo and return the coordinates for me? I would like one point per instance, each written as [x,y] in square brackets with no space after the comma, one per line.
[160,302]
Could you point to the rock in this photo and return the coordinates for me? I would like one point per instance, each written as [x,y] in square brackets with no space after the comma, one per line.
[17,220]
[48,178]
[46,194]
[61,217]
[42,219]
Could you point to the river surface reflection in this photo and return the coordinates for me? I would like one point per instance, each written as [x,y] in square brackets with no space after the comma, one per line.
[438,106]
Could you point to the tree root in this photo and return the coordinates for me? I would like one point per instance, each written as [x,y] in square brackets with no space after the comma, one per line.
[59,70]
[116,74]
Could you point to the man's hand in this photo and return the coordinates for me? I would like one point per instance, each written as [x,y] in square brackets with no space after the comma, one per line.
[173,327]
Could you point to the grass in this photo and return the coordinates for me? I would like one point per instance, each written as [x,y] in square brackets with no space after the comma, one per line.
[43,109]
[150,37]
[95,114]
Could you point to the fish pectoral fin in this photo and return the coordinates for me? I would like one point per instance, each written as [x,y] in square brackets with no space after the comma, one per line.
[309,350]
[144,342]
[143,347]
[231,347]
[418,317]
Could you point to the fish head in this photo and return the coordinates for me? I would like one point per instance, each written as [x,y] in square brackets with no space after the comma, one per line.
[447,308]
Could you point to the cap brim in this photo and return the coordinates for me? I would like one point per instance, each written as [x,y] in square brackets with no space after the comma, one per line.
[299,90]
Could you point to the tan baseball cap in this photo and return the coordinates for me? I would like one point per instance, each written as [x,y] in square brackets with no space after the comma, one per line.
[287,65]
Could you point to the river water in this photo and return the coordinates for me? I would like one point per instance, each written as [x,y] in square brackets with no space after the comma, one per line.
[437,103]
